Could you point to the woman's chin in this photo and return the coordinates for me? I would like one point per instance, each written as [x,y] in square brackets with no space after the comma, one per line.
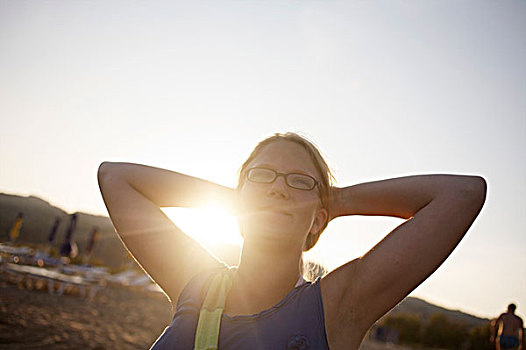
[277,228]
[261,219]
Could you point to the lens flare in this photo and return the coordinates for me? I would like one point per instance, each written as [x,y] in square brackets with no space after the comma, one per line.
[210,226]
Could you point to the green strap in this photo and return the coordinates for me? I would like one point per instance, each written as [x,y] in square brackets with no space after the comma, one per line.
[207,334]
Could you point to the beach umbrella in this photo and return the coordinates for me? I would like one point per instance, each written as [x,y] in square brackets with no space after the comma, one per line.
[15,229]
[67,248]
[54,230]
[93,239]
[91,244]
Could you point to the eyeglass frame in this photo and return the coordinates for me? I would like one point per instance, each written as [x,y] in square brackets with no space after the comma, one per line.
[285,176]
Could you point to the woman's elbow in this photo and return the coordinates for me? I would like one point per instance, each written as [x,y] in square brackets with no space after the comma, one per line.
[475,189]
[105,171]
[102,171]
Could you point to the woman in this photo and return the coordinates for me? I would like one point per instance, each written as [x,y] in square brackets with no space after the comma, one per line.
[283,201]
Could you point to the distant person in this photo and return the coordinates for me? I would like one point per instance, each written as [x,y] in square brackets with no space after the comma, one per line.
[283,201]
[508,330]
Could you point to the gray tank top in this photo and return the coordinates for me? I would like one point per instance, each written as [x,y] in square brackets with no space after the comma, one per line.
[296,322]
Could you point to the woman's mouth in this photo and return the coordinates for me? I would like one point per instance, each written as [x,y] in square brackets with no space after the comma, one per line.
[275,210]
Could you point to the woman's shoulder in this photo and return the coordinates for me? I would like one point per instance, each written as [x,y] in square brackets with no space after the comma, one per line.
[195,290]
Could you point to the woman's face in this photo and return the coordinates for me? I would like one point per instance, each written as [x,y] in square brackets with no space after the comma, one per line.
[275,211]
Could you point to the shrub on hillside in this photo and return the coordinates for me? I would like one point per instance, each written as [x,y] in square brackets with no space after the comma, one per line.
[479,338]
[444,333]
[409,327]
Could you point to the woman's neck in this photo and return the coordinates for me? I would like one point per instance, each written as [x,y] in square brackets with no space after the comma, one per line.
[269,262]
[265,276]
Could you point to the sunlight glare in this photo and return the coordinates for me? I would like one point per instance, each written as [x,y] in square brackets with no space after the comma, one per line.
[210,226]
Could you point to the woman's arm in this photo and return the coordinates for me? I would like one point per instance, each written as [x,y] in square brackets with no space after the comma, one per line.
[134,195]
[439,209]
[403,197]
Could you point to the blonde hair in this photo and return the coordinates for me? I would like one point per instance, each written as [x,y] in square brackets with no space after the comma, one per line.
[325,173]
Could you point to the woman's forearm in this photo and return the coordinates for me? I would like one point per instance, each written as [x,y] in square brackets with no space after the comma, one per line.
[163,187]
[403,197]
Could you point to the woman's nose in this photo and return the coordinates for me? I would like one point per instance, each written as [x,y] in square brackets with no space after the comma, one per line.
[279,188]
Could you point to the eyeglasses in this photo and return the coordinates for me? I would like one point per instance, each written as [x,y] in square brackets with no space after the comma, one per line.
[267,176]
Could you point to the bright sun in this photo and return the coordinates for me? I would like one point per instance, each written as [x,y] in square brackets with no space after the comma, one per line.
[211,226]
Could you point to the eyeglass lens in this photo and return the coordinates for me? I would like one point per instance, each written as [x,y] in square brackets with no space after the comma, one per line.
[297,181]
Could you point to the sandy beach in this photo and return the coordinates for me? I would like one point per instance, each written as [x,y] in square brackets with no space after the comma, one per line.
[117,318]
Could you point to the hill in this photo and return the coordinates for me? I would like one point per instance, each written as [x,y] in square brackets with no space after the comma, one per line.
[416,306]
[39,218]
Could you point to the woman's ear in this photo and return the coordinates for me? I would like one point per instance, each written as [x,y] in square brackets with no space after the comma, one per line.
[320,221]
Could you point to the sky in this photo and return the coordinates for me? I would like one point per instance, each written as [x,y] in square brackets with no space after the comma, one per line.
[385,88]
